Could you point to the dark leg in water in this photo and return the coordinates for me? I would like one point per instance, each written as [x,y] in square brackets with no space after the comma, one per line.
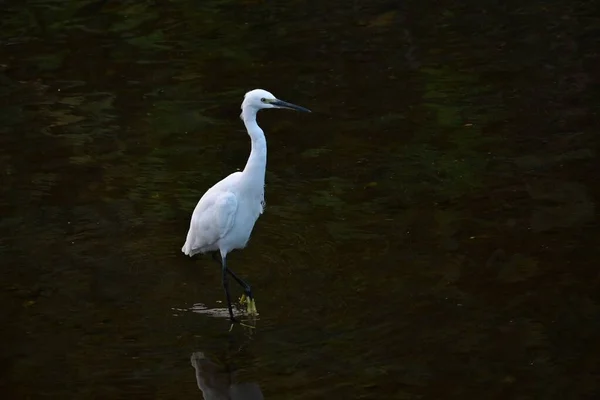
[240,281]
[226,287]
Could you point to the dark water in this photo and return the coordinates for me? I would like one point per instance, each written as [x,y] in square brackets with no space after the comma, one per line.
[430,230]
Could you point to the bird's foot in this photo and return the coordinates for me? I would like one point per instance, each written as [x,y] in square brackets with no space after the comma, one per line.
[252,307]
[250,304]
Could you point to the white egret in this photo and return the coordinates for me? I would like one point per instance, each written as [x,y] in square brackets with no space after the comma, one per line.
[225,216]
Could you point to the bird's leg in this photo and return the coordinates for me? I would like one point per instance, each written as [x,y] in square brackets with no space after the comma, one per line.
[247,296]
[241,282]
[226,287]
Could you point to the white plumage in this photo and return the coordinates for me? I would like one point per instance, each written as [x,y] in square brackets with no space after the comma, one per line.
[225,216]
[211,227]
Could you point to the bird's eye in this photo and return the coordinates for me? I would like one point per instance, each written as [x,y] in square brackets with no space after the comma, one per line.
[263,100]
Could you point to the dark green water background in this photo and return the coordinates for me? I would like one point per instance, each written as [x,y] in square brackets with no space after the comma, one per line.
[430,230]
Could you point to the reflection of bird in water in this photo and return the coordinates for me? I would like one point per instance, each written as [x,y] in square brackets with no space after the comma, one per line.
[216,384]
[224,217]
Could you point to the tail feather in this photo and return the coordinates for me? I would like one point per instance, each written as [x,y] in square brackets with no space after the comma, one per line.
[187,249]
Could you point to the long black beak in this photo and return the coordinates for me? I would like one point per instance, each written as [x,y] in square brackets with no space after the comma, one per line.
[285,104]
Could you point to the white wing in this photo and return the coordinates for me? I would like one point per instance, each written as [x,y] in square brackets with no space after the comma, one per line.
[212,219]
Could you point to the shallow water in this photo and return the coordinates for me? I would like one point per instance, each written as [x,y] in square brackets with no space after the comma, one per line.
[430,230]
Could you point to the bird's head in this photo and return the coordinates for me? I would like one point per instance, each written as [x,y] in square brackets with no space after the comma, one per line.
[258,99]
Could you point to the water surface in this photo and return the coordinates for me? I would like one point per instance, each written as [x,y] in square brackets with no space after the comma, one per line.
[430,230]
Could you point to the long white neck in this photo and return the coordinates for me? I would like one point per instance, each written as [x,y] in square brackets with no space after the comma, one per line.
[257,162]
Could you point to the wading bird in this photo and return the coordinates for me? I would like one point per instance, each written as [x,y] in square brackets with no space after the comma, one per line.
[225,216]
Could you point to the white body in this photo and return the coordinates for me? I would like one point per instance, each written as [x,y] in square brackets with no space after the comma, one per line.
[225,216]
[219,211]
